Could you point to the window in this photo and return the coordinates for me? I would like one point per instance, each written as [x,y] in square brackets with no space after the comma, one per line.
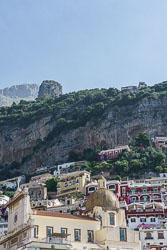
[90,236]
[112,219]
[145,198]
[91,189]
[152,220]
[160,235]
[123,190]
[142,219]
[123,234]
[133,191]
[144,190]
[112,187]
[35,231]
[133,199]
[148,236]
[68,202]
[49,231]
[156,197]
[155,190]
[133,219]
[64,230]
[77,234]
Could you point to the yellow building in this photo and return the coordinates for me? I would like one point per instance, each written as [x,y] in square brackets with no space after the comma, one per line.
[73,183]
[102,227]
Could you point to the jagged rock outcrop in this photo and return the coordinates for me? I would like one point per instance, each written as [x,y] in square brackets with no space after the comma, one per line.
[119,126]
[50,88]
[28,92]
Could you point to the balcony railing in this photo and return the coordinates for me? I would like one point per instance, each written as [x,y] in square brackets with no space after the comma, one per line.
[56,240]
[143,193]
[149,238]
[46,243]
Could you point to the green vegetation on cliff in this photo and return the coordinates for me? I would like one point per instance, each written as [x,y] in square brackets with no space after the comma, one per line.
[142,158]
[76,108]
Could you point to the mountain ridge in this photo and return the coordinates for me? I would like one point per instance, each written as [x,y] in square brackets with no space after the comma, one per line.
[16,93]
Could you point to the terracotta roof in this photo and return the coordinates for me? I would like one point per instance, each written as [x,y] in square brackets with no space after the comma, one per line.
[62,215]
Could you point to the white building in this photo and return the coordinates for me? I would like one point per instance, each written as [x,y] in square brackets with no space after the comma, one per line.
[148,213]
[3,199]
[3,221]
[71,205]
[63,167]
[153,235]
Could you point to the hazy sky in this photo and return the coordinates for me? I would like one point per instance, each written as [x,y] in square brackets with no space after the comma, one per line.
[83,43]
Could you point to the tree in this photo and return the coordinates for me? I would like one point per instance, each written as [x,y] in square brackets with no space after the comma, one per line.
[158,169]
[51,184]
[160,158]
[143,140]
[117,178]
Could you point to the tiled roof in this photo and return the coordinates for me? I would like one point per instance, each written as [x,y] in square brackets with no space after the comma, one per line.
[63,215]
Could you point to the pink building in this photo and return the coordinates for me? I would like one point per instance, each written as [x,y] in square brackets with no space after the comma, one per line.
[112,153]
[160,141]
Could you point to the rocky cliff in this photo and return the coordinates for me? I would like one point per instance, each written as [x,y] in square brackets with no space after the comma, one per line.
[69,124]
[50,88]
[16,93]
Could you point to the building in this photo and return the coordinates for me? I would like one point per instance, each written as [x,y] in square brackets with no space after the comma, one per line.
[112,185]
[41,178]
[112,153]
[3,214]
[154,180]
[3,199]
[153,236]
[63,168]
[147,213]
[3,220]
[142,192]
[160,141]
[113,233]
[102,227]
[37,191]
[73,183]
[156,247]
[70,205]
[45,204]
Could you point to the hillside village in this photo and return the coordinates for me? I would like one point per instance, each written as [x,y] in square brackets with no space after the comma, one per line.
[68,207]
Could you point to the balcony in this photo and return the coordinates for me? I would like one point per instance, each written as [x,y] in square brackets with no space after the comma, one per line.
[149,238]
[144,193]
[47,243]
[149,210]
[56,240]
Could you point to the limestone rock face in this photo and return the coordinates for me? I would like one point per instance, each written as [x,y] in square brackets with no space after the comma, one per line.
[28,92]
[21,91]
[119,126]
[50,88]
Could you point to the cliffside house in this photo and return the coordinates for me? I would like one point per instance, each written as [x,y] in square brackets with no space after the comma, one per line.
[112,153]
[160,141]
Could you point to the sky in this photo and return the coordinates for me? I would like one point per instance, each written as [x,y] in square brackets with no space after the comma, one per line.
[83,44]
